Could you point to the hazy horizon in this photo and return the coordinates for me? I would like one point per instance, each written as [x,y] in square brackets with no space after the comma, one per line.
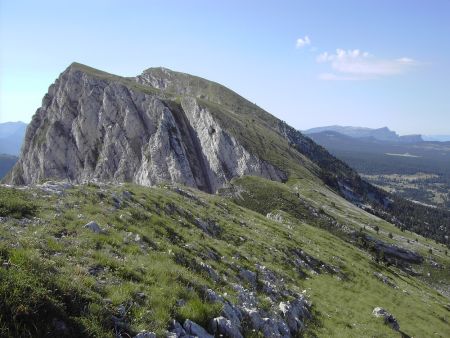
[310,64]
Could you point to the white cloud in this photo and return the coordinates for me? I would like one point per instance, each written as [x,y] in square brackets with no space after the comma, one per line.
[302,42]
[334,77]
[357,65]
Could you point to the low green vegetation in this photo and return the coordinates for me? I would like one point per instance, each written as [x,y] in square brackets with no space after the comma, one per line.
[147,265]
[15,203]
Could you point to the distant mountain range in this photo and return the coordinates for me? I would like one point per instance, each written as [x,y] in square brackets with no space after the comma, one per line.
[11,137]
[419,171]
[381,134]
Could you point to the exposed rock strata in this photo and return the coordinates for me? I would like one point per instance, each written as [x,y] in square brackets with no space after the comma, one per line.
[104,128]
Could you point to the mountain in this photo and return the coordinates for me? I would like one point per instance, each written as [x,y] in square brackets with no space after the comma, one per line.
[93,125]
[381,134]
[11,137]
[167,205]
[165,126]
[418,171]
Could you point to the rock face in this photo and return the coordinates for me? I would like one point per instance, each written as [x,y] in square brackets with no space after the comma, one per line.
[96,126]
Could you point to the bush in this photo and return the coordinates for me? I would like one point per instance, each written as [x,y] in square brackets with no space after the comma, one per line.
[15,203]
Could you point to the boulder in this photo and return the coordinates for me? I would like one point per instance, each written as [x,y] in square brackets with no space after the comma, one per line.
[389,319]
[248,276]
[194,329]
[223,326]
[253,317]
[295,313]
[94,227]
[176,330]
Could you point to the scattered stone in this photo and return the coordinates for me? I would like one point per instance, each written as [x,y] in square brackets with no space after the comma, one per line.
[116,201]
[212,296]
[145,334]
[119,323]
[211,272]
[386,280]
[122,310]
[176,329]
[132,237]
[94,227]
[232,313]
[274,328]
[248,276]
[275,216]
[95,270]
[194,329]
[435,265]
[389,319]
[57,188]
[253,317]
[140,296]
[223,326]
[295,313]
[209,227]
[127,195]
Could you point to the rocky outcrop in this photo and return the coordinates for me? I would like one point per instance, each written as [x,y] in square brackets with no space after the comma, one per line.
[389,319]
[287,319]
[96,126]
[387,252]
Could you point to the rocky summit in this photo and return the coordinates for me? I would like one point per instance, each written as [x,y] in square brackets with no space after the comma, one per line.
[146,130]
[166,205]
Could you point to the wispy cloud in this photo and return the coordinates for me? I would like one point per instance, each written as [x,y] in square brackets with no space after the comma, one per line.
[302,42]
[357,65]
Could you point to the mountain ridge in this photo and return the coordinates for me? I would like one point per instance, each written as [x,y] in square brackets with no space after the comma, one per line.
[381,134]
[181,209]
[165,126]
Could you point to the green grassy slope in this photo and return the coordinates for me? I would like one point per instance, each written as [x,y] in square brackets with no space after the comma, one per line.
[150,257]
[153,262]
[274,141]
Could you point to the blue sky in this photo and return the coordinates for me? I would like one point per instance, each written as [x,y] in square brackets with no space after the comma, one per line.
[310,63]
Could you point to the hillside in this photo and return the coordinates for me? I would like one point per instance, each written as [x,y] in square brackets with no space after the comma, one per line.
[169,205]
[417,171]
[164,253]
[168,126]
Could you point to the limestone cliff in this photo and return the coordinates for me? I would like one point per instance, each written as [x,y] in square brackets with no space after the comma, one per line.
[97,126]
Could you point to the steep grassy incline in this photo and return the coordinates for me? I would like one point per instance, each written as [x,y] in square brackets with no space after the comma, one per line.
[170,252]
[287,149]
